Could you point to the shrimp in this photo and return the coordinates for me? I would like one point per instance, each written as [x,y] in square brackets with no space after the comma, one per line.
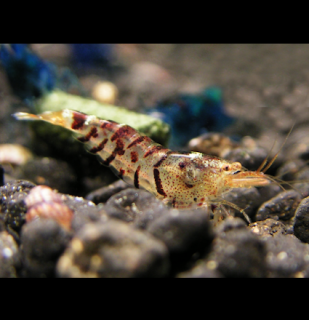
[181,180]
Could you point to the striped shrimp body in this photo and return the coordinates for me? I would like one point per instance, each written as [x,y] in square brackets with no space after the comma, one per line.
[182,180]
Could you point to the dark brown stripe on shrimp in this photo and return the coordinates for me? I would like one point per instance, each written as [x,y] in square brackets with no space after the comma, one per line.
[109,159]
[134,156]
[157,165]
[152,150]
[117,151]
[158,181]
[109,125]
[79,120]
[92,133]
[99,147]
[139,140]
[119,147]
[136,177]
[124,131]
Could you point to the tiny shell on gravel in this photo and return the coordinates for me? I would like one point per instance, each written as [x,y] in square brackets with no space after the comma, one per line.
[42,194]
[14,154]
[43,202]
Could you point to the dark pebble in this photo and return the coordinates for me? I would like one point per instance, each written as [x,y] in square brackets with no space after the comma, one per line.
[77,203]
[281,207]
[88,214]
[237,252]
[14,186]
[229,224]
[298,147]
[2,223]
[268,192]
[9,258]
[289,169]
[303,185]
[268,228]
[187,234]
[250,199]
[135,206]
[12,205]
[301,221]
[113,250]
[249,158]
[202,269]
[287,257]
[54,173]
[42,243]
[1,176]
[212,143]
[103,194]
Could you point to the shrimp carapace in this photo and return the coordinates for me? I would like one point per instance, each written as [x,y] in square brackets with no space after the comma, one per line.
[182,180]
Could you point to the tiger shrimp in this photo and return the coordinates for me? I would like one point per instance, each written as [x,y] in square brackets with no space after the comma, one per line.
[181,180]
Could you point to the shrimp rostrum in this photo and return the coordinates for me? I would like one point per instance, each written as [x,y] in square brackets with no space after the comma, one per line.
[182,180]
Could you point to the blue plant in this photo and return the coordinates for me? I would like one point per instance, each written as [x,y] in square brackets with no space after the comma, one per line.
[192,115]
[91,54]
[29,75]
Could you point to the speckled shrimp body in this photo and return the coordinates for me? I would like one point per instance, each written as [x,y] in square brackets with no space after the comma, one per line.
[182,180]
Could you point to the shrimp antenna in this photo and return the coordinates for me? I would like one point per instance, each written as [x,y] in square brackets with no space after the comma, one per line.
[277,182]
[266,158]
[280,182]
[276,155]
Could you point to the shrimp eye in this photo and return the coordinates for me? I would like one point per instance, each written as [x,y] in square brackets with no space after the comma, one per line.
[182,165]
[227,168]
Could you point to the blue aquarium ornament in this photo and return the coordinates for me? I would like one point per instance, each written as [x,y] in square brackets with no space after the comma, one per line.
[191,115]
[92,54]
[29,75]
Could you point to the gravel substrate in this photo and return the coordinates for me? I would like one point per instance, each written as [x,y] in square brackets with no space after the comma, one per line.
[134,235]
